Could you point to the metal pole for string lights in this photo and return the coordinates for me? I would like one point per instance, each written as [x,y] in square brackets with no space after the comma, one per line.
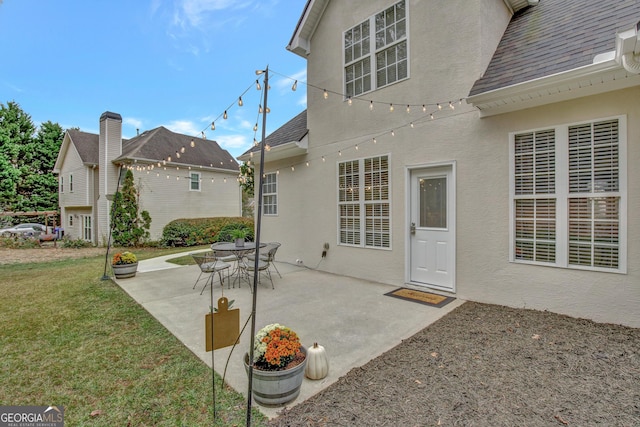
[257,242]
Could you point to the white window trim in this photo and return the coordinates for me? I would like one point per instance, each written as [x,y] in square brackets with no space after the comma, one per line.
[373,50]
[562,195]
[264,194]
[362,202]
[191,181]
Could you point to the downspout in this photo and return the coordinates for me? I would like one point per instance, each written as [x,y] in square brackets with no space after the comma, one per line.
[628,49]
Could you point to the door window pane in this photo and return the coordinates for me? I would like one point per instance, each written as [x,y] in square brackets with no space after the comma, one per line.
[433,202]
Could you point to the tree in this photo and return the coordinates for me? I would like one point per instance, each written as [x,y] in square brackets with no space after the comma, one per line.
[130,226]
[246,182]
[16,132]
[27,182]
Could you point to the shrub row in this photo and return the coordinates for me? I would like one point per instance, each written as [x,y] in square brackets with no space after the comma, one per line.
[203,231]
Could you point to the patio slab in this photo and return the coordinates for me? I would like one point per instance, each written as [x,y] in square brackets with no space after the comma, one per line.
[351,318]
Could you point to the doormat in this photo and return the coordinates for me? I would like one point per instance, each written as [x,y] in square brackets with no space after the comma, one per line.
[421,297]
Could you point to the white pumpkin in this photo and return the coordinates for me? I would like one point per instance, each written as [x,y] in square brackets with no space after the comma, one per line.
[317,362]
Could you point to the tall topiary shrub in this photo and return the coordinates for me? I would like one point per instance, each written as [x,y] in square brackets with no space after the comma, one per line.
[130,226]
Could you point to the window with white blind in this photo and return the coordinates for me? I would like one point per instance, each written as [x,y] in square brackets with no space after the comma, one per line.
[566,196]
[270,194]
[364,203]
[381,42]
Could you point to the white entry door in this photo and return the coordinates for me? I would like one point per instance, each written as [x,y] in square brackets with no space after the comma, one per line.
[432,228]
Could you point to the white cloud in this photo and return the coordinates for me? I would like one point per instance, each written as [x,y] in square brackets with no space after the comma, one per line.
[184,127]
[132,121]
[194,12]
[233,142]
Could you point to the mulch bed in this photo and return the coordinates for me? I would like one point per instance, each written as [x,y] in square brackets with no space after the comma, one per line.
[488,365]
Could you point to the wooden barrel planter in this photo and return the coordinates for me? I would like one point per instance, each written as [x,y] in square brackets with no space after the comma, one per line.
[276,387]
[124,271]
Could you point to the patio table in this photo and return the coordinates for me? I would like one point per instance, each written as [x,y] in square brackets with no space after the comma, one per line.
[238,251]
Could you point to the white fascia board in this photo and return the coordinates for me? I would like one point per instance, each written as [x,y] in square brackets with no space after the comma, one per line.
[591,79]
[282,151]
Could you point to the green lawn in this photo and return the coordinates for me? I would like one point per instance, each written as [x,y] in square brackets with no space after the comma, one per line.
[73,340]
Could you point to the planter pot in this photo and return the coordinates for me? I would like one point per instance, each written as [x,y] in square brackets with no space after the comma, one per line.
[276,387]
[240,243]
[124,271]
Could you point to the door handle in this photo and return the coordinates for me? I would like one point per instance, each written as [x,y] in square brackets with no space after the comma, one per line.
[412,229]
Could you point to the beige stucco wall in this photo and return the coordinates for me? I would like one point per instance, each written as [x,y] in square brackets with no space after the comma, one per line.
[442,69]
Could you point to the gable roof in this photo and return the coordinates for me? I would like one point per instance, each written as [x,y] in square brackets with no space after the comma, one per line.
[555,36]
[159,143]
[286,141]
[86,145]
[300,42]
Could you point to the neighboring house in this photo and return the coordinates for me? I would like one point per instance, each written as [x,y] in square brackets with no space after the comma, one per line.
[177,177]
[487,149]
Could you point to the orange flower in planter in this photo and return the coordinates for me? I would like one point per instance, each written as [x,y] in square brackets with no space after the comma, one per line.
[274,347]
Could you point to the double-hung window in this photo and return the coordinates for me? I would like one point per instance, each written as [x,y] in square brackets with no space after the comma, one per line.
[375,51]
[364,203]
[568,196]
[270,194]
[194,181]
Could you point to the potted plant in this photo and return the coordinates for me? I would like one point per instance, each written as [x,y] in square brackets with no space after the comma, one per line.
[278,365]
[124,264]
[239,235]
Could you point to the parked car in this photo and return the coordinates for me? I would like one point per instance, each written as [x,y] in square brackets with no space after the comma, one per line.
[25,230]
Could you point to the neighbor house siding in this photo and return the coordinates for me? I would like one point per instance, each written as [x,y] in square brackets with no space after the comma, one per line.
[170,198]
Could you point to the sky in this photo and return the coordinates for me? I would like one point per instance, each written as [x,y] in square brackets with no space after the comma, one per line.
[173,63]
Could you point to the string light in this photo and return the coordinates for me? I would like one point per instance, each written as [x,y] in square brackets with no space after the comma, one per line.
[255,127]
[424,108]
[204,136]
[356,147]
[439,106]
[182,149]
[408,109]
[390,107]
[295,86]
[193,143]
[349,101]
[326,94]
[323,159]
[258,87]
[225,116]
[431,116]
[411,125]
[240,103]
[451,106]
[393,133]
[307,163]
[371,105]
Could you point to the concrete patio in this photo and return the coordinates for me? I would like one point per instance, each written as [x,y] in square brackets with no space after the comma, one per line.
[351,318]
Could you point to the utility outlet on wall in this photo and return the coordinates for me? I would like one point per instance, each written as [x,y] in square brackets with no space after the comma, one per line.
[299,261]
[324,251]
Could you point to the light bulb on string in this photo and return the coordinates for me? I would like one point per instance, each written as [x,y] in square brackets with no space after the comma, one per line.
[339,153]
[431,116]
[295,86]
[326,94]
[240,103]
[439,106]
[182,149]
[349,101]
[323,159]
[293,169]
[213,125]
[225,116]
[411,125]
[356,147]
[307,163]
[375,140]
[177,155]
[451,106]
[391,107]
[370,105]
[393,133]
[408,109]
[193,143]
[267,147]
[204,136]
[169,159]
[258,87]
[424,108]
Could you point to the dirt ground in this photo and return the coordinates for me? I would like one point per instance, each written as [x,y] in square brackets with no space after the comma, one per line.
[487,365]
[46,253]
